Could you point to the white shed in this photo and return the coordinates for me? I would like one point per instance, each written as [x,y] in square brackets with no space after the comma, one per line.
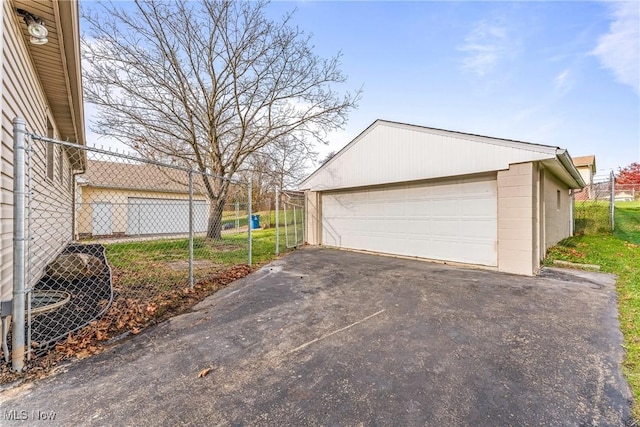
[421,192]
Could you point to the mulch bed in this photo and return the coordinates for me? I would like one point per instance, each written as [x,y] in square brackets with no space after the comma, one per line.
[90,296]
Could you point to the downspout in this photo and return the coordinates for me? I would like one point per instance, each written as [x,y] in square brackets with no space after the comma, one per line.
[571,207]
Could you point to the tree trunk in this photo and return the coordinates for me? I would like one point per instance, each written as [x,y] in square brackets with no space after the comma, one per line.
[214,227]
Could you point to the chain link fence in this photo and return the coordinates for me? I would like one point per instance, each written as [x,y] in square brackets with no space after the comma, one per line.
[593,207]
[626,193]
[293,218]
[116,242]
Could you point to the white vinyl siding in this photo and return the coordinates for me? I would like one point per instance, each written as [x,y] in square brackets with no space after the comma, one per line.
[22,96]
[392,153]
[450,220]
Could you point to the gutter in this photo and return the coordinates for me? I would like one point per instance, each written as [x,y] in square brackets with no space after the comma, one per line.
[565,160]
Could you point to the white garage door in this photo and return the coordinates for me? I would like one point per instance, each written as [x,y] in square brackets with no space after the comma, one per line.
[452,220]
[164,216]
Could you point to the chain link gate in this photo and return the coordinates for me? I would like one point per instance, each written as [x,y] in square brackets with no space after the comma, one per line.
[112,240]
[593,206]
[293,217]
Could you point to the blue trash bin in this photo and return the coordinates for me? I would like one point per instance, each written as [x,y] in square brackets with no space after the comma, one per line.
[255,221]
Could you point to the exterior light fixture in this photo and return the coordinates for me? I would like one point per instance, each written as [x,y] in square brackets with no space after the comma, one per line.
[35,26]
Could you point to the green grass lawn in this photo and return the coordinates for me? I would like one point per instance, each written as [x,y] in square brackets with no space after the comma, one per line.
[267,218]
[149,260]
[618,253]
[591,217]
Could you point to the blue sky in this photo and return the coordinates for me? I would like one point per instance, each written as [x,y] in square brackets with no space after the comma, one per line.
[557,73]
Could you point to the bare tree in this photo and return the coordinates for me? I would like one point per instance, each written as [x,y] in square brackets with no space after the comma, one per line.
[282,164]
[208,84]
[328,157]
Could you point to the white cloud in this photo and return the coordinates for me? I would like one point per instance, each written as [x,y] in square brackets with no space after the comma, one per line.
[619,49]
[562,82]
[486,45]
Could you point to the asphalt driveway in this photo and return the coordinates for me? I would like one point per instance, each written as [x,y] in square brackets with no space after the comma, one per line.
[326,337]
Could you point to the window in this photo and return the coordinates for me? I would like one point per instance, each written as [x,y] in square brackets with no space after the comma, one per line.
[49,151]
[61,164]
[50,160]
[558,199]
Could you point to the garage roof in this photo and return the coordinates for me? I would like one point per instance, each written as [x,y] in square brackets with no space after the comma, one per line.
[142,176]
[391,152]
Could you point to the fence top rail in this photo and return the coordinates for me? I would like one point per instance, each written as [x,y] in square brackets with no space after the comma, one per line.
[127,157]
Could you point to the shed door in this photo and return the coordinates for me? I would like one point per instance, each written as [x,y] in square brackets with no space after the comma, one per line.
[449,220]
[101,223]
[164,216]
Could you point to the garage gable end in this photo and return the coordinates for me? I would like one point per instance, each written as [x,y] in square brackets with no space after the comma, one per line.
[389,152]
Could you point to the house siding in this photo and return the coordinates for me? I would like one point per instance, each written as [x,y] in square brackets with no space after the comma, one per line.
[586,174]
[389,153]
[119,200]
[23,96]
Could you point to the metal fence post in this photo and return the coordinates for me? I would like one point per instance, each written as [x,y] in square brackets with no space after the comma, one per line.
[191,280]
[237,216]
[612,205]
[277,216]
[250,213]
[19,239]
[571,213]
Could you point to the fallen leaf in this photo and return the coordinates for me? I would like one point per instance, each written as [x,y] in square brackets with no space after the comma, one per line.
[204,373]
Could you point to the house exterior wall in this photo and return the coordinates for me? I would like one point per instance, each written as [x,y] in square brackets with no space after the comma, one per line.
[23,96]
[119,205]
[517,218]
[557,205]
[586,173]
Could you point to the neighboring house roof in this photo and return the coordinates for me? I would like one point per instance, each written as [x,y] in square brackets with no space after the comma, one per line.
[140,176]
[585,161]
[399,152]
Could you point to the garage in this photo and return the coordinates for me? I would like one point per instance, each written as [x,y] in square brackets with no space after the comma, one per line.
[164,216]
[453,220]
[443,195]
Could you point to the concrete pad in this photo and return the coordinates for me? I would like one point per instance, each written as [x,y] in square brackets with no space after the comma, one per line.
[339,338]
